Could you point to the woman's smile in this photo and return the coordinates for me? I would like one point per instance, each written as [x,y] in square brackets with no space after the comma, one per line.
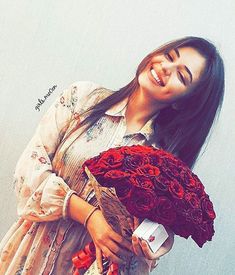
[168,77]
[156,77]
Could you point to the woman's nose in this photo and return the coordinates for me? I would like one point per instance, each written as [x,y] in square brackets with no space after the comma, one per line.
[168,68]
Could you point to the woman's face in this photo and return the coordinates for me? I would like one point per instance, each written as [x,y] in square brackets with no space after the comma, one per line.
[168,77]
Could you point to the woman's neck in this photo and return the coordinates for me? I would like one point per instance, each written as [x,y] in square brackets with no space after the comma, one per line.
[141,108]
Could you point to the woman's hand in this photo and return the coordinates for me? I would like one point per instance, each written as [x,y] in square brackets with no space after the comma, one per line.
[142,249]
[107,242]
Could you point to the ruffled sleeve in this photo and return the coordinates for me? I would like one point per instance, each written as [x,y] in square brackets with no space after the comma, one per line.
[41,194]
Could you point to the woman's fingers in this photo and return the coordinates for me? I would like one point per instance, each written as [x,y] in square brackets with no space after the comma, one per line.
[118,250]
[136,222]
[130,223]
[147,251]
[99,259]
[142,249]
[106,253]
[112,245]
[121,241]
[136,246]
[112,257]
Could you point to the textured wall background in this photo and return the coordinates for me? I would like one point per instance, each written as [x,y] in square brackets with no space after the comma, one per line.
[47,43]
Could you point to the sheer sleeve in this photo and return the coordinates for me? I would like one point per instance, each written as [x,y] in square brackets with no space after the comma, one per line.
[41,194]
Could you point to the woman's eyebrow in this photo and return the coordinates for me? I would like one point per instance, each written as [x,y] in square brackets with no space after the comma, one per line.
[186,68]
[177,52]
[190,74]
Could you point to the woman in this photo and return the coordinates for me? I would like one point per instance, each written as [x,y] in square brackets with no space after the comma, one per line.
[177,91]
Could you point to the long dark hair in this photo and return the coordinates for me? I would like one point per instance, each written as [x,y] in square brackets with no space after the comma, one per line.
[180,131]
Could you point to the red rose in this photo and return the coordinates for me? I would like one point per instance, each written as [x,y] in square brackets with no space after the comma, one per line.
[192,199]
[166,154]
[94,166]
[176,190]
[182,229]
[187,180]
[134,161]
[124,190]
[155,159]
[112,159]
[142,181]
[161,183]
[96,170]
[148,170]
[164,211]
[141,202]
[113,177]
[185,214]
[91,162]
[135,149]
[203,233]
[171,168]
[196,215]
[199,186]
[207,206]
[181,207]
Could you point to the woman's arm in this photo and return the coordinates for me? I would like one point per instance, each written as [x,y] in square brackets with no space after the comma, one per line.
[41,194]
[106,240]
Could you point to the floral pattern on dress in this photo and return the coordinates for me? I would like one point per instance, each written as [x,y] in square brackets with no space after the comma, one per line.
[94,131]
[43,239]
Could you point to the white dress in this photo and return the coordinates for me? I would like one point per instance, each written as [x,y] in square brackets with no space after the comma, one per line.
[43,239]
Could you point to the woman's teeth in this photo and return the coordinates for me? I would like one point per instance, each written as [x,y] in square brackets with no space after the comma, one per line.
[156,77]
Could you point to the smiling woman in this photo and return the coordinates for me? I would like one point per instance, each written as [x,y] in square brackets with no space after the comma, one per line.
[171,103]
[168,77]
[180,86]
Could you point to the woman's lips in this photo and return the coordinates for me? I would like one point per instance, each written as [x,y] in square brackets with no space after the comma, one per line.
[152,79]
[156,77]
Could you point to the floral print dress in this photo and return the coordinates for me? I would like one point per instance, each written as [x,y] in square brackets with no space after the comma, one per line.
[43,239]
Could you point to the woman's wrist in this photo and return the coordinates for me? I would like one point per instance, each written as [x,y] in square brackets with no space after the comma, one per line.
[89,215]
[66,203]
[79,209]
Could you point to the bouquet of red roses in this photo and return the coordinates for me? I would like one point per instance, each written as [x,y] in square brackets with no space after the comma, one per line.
[152,183]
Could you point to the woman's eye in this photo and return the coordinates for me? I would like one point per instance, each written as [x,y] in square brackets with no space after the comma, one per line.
[169,57]
[182,78]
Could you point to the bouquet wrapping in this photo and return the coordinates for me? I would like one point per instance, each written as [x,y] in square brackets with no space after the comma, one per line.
[121,221]
[146,182]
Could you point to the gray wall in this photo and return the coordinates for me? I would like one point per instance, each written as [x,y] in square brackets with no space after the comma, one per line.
[46,43]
